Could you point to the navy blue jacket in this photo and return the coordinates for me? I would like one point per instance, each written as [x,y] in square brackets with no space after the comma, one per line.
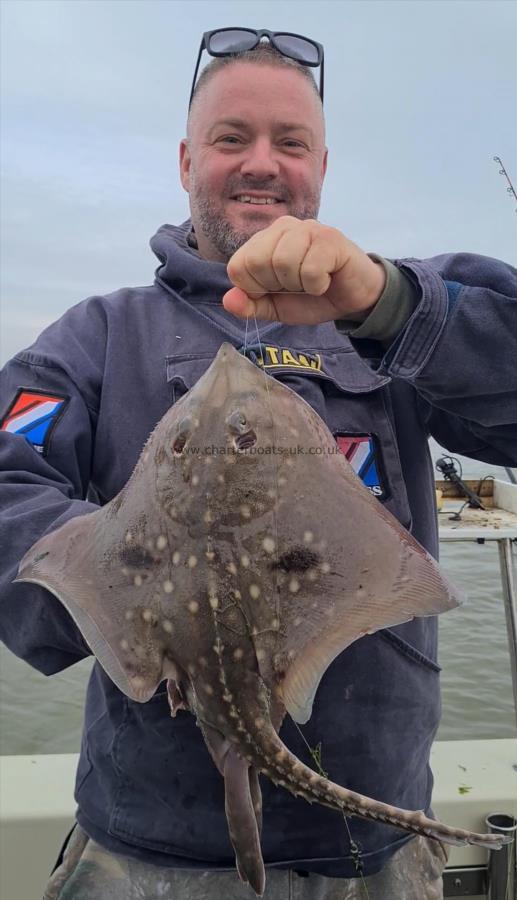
[76,409]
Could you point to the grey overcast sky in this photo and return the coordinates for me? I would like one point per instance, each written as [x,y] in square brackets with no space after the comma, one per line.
[420,95]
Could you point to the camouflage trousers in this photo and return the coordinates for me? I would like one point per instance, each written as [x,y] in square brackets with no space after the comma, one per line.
[90,873]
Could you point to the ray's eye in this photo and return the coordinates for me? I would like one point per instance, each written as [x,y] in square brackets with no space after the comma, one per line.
[182,436]
[245,437]
[237,422]
[178,444]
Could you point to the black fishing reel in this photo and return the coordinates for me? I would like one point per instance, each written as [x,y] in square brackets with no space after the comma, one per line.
[447,466]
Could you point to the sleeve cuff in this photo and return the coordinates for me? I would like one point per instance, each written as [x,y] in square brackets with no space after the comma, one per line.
[392,311]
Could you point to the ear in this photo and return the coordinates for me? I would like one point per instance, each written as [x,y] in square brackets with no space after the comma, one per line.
[324,164]
[185,164]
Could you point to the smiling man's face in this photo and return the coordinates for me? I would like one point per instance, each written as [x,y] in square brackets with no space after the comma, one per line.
[256,133]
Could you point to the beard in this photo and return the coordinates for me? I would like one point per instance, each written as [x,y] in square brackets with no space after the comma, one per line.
[208,215]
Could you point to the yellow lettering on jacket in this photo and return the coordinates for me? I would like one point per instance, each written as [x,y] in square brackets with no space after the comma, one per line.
[289,358]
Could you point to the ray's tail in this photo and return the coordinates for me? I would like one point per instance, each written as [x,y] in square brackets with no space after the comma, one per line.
[272,757]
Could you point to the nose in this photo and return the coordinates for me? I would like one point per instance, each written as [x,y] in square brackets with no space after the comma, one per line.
[260,161]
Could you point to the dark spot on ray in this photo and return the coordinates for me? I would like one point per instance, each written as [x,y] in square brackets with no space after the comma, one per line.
[137,557]
[40,556]
[131,668]
[246,440]
[280,665]
[299,559]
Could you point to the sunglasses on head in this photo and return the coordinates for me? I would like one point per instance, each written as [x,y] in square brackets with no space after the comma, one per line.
[232,41]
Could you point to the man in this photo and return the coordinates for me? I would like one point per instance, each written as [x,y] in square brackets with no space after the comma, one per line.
[419,348]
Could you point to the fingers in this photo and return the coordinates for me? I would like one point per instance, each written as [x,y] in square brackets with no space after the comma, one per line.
[251,268]
[318,265]
[301,271]
[290,255]
[273,259]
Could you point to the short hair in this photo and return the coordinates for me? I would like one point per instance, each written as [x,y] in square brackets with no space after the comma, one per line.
[264,55]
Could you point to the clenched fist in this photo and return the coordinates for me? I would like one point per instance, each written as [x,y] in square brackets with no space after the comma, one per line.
[326,276]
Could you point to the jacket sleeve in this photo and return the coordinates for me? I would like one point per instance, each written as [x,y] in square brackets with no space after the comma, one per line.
[48,402]
[459,350]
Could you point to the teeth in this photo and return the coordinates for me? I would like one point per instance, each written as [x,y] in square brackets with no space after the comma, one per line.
[244,198]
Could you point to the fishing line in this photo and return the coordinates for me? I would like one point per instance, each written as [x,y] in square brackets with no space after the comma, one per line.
[275,468]
[355,851]
[246,335]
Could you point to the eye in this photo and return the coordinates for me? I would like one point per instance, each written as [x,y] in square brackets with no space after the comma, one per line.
[178,444]
[181,437]
[245,437]
[237,422]
[229,138]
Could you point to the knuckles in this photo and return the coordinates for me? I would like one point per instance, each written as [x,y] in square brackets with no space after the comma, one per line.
[313,274]
[255,260]
[235,266]
[256,256]
[282,263]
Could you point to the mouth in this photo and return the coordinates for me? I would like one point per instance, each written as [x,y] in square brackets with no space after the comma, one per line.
[256,200]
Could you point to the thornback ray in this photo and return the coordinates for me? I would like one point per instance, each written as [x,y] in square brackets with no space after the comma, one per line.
[238,570]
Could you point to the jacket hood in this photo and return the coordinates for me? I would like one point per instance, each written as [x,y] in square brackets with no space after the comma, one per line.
[183,269]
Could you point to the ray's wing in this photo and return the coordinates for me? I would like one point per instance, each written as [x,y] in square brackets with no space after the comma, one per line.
[116,592]
[345,566]
[113,568]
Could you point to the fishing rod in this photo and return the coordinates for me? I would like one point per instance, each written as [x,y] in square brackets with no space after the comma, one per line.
[502,171]
[510,190]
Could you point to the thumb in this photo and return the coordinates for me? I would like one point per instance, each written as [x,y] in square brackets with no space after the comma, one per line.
[237,302]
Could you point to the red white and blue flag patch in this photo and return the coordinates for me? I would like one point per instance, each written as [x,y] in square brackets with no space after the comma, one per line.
[34,415]
[361,452]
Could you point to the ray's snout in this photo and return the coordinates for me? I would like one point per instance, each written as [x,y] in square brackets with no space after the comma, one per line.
[228,353]
[230,381]
[240,373]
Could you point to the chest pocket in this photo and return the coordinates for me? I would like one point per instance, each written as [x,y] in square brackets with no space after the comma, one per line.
[350,397]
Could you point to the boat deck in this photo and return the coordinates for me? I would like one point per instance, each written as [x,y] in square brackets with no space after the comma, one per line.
[472,779]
